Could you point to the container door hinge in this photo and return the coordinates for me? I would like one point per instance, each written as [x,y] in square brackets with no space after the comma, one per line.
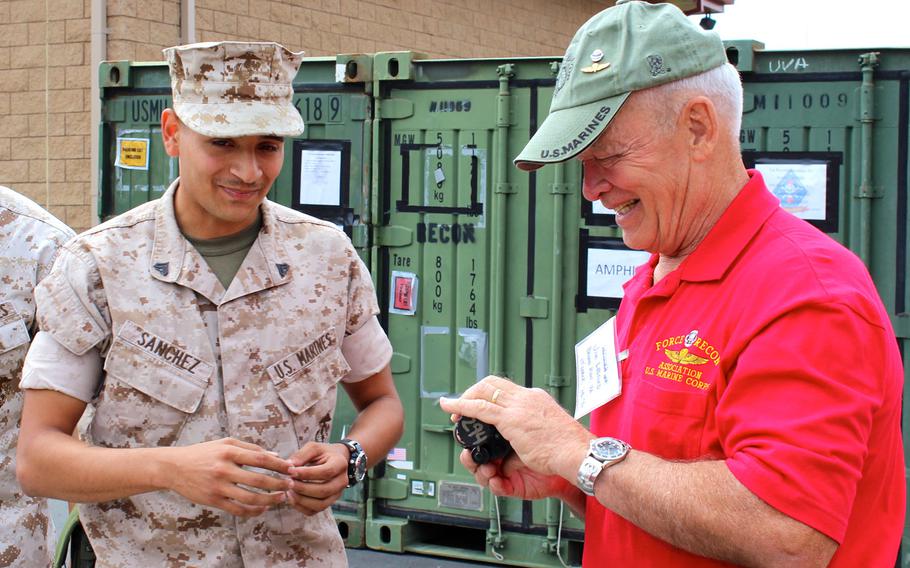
[533,307]
[390,488]
[864,191]
[438,428]
[394,236]
[556,381]
[400,363]
[396,108]
[560,189]
[505,188]
[901,324]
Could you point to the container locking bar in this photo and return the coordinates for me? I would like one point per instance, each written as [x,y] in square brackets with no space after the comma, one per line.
[866,190]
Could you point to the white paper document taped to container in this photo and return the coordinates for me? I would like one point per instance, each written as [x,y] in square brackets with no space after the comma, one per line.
[598,379]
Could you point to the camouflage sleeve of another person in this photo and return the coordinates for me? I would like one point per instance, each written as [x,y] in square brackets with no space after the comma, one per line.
[71,303]
[51,248]
[366,346]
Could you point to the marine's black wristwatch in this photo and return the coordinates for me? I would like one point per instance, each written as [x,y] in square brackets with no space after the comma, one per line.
[357,463]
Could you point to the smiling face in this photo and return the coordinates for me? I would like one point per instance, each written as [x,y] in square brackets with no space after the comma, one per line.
[222,180]
[640,168]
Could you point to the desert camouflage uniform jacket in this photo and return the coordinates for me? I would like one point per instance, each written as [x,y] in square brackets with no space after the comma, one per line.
[186,361]
[29,240]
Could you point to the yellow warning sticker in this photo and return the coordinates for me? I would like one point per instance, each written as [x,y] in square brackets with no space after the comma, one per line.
[133,153]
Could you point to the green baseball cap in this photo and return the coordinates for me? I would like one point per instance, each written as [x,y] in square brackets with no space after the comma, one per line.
[631,46]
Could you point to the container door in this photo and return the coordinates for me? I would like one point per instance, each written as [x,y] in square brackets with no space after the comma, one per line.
[469,252]
[829,132]
[134,166]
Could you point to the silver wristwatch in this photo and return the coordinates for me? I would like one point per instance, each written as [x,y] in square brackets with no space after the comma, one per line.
[602,453]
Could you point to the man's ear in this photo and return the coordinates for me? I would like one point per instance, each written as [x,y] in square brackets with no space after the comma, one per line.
[701,123]
[170,132]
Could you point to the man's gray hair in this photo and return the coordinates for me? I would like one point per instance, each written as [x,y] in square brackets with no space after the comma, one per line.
[722,85]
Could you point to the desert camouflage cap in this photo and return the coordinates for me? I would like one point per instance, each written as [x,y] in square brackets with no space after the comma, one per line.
[231,89]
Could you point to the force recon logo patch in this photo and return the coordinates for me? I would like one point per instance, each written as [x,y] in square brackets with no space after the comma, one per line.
[164,350]
[566,150]
[296,362]
[685,359]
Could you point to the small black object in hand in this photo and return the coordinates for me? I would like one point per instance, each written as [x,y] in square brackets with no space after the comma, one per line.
[483,440]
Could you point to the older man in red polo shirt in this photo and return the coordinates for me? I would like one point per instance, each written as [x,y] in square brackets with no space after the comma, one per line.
[759,415]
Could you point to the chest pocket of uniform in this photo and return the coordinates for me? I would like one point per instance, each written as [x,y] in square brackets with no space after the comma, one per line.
[309,392]
[668,423]
[145,400]
[13,339]
[13,331]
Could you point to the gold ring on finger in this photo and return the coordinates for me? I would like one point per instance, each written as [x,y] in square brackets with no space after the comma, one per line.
[495,396]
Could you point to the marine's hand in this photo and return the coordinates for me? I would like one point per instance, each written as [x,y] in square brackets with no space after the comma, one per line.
[320,475]
[510,477]
[545,437]
[212,473]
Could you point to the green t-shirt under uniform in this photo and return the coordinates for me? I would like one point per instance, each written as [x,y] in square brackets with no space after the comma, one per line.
[226,254]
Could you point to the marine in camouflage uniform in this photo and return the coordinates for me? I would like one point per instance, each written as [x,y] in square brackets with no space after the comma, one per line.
[29,240]
[245,368]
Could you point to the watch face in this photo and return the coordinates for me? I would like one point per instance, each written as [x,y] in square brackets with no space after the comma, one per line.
[360,467]
[609,449]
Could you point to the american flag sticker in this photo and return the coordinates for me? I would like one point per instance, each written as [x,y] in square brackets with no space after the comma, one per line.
[397,454]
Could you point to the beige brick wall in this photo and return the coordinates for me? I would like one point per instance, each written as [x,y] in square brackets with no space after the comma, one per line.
[443,28]
[139,29]
[44,104]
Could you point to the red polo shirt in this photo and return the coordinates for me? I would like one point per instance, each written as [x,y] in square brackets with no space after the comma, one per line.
[768,348]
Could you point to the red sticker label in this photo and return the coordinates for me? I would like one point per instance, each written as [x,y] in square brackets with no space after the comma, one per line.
[403,289]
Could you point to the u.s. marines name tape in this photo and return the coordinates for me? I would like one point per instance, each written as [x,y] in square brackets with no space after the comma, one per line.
[296,362]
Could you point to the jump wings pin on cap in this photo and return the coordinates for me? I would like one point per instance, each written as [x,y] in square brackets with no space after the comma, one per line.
[596,57]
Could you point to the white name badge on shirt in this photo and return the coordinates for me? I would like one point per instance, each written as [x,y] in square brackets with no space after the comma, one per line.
[598,379]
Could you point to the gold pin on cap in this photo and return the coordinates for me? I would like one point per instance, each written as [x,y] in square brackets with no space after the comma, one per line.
[595,67]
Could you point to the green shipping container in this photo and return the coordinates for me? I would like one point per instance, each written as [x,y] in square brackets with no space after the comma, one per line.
[481,268]
[477,271]
[829,131]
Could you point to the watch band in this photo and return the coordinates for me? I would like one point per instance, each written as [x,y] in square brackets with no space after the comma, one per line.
[595,462]
[357,462]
